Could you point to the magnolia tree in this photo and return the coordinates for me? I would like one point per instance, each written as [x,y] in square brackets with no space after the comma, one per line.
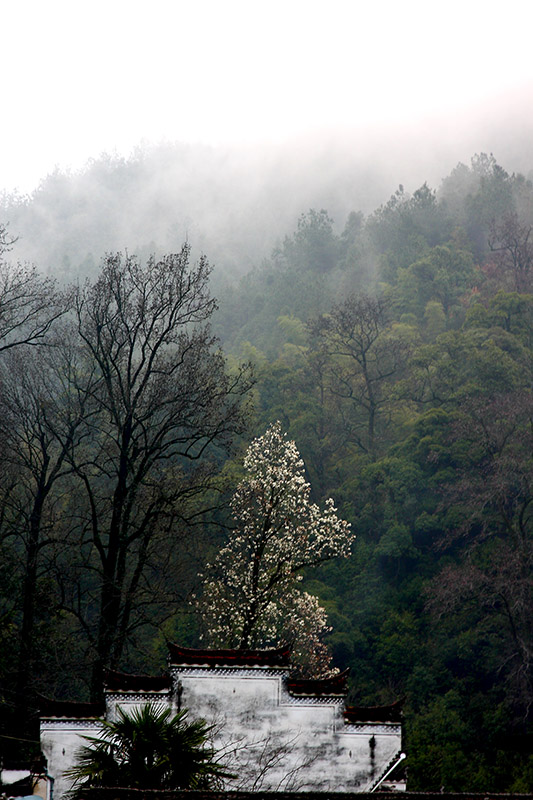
[250,595]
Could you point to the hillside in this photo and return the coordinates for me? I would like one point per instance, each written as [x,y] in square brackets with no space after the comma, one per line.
[393,339]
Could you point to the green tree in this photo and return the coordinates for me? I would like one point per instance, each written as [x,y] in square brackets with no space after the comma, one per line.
[443,275]
[406,227]
[508,310]
[149,749]
[476,195]
[495,494]
[314,246]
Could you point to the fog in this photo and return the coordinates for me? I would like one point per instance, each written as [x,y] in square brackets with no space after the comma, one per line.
[235,202]
[222,123]
[82,79]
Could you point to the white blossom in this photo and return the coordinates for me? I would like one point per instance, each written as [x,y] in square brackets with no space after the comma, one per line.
[250,597]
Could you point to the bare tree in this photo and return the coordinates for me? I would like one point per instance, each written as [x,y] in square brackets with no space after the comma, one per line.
[363,357]
[511,240]
[159,401]
[268,763]
[29,303]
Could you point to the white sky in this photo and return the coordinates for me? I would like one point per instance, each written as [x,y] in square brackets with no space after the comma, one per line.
[82,77]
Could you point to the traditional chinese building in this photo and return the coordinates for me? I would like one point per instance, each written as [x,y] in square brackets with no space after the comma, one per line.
[274,732]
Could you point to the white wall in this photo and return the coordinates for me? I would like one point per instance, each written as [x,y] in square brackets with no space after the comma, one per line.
[269,739]
[60,742]
[274,741]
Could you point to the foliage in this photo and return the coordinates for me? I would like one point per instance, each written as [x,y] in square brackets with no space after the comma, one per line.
[149,749]
[313,246]
[364,354]
[399,356]
[495,490]
[443,276]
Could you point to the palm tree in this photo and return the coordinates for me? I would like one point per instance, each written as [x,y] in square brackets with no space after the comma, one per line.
[149,749]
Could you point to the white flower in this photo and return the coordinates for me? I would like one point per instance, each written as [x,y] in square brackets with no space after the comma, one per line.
[250,597]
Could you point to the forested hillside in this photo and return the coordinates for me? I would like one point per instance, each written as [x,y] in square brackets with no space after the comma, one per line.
[395,347]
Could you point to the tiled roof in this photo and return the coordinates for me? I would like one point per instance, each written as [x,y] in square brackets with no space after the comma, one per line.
[124,682]
[67,709]
[228,658]
[336,685]
[391,713]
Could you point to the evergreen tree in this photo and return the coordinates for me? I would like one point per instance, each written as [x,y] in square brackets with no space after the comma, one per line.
[149,749]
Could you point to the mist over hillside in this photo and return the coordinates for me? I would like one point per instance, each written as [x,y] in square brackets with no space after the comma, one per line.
[231,204]
[359,177]
[235,203]
[375,296]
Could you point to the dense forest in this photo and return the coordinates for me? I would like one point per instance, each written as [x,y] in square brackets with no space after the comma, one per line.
[395,350]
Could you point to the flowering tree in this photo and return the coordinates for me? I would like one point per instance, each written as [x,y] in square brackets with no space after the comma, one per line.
[250,593]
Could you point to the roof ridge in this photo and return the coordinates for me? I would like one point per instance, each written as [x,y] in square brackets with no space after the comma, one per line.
[271,657]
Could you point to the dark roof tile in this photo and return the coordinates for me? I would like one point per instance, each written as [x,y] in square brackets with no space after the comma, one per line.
[228,658]
[334,686]
[70,710]
[124,682]
[391,713]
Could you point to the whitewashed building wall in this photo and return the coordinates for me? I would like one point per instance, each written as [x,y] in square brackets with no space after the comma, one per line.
[271,733]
